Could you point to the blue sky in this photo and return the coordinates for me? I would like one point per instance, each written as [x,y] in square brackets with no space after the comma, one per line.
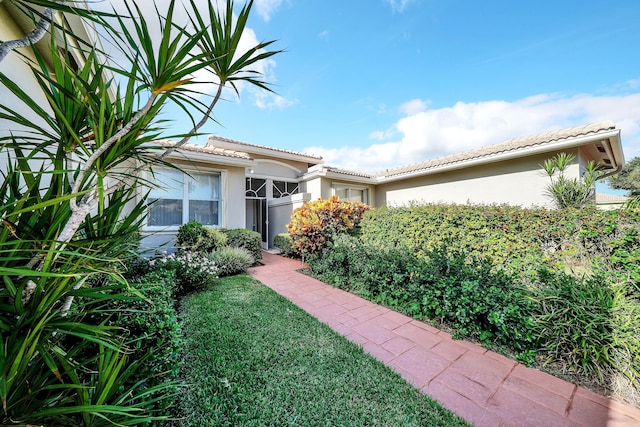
[370,84]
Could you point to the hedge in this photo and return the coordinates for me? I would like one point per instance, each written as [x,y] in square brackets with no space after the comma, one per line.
[512,238]
[550,286]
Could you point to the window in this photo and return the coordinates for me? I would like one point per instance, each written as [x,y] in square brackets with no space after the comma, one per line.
[283,188]
[352,194]
[184,198]
[256,187]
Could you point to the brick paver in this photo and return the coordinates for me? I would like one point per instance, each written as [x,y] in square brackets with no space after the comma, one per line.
[485,388]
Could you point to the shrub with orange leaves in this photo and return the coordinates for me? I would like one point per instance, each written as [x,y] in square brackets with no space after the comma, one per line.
[313,225]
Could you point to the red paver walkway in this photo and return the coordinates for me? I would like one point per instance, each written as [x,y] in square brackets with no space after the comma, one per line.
[483,387]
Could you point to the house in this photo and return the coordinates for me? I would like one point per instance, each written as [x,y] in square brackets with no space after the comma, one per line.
[509,172]
[227,184]
[233,184]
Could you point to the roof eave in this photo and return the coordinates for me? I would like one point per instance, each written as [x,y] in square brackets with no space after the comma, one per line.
[264,151]
[610,134]
[211,158]
[323,173]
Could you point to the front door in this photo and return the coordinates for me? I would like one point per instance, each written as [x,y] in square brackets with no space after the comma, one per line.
[257,218]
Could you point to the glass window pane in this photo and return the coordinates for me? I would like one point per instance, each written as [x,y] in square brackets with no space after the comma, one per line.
[204,211]
[279,189]
[170,185]
[165,212]
[204,187]
[356,195]
[342,193]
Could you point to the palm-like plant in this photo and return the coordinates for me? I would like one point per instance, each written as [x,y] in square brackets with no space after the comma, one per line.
[73,167]
[570,192]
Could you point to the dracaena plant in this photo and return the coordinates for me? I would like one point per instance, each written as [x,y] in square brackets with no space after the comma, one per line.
[72,165]
[568,192]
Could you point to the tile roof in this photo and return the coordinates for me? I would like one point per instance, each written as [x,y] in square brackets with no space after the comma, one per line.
[508,146]
[208,150]
[347,172]
[213,138]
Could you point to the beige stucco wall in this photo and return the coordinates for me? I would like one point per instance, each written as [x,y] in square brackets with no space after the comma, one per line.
[277,169]
[319,188]
[516,182]
[280,211]
[13,67]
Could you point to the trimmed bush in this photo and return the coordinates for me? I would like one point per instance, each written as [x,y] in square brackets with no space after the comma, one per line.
[149,334]
[232,261]
[194,271]
[247,239]
[283,242]
[195,237]
[154,330]
[514,239]
[313,224]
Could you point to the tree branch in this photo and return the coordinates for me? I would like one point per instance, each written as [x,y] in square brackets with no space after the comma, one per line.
[33,37]
[201,123]
[105,146]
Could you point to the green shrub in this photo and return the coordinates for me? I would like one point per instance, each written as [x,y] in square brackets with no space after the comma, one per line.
[574,319]
[513,239]
[444,286]
[153,330]
[232,261]
[561,284]
[150,340]
[567,192]
[247,239]
[476,301]
[339,263]
[314,224]
[195,237]
[194,270]
[282,241]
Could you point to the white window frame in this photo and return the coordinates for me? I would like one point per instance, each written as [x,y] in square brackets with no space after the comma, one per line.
[185,197]
[340,185]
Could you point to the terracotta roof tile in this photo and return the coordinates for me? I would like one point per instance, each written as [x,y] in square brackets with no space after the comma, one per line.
[213,138]
[508,146]
[208,150]
[347,172]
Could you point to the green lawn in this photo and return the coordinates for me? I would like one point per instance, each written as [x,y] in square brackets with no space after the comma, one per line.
[254,359]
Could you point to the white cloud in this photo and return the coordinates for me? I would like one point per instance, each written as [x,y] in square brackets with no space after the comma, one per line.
[399,5]
[433,133]
[414,106]
[266,8]
[269,101]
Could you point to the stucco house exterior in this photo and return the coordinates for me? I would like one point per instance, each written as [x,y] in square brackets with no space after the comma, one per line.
[227,184]
[509,172]
[258,187]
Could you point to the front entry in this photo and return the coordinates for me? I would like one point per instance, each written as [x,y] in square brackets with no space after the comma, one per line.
[257,218]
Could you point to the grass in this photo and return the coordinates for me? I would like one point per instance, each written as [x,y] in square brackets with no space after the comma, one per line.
[255,359]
